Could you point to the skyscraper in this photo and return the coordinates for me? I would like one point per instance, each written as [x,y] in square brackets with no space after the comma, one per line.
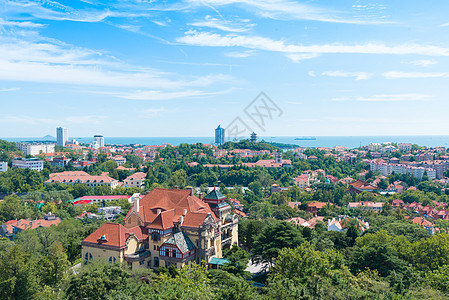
[99,140]
[219,135]
[62,136]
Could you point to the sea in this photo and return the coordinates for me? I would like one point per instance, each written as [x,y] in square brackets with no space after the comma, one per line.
[317,141]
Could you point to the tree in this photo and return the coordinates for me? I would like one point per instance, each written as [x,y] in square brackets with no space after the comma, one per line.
[18,278]
[238,261]
[55,266]
[274,237]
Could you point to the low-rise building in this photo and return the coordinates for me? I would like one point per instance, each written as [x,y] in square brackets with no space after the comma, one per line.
[3,166]
[135,180]
[367,205]
[28,163]
[13,227]
[75,177]
[35,148]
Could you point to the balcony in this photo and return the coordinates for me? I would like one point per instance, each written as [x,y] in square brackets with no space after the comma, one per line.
[137,256]
[210,251]
[226,241]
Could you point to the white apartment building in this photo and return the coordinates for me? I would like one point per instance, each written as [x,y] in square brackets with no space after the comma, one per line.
[386,169]
[62,136]
[3,166]
[403,147]
[374,147]
[28,163]
[98,141]
[35,148]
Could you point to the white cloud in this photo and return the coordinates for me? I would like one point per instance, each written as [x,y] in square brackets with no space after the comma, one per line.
[356,75]
[396,98]
[261,43]
[311,74]
[22,119]
[224,25]
[240,54]
[151,112]
[288,10]
[54,62]
[340,99]
[9,90]
[89,119]
[401,75]
[296,58]
[25,24]
[161,95]
[423,62]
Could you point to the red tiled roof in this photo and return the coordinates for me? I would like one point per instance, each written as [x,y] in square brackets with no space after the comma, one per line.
[115,234]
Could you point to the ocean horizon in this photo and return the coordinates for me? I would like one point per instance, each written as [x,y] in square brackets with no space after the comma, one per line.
[317,141]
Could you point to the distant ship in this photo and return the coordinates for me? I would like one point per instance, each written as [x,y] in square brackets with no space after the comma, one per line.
[306,138]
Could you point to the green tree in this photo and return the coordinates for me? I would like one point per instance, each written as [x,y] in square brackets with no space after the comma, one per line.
[274,237]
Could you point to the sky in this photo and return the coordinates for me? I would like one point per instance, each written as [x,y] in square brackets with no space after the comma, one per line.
[180,68]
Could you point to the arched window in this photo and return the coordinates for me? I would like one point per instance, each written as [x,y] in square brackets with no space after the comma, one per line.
[156,262]
[112,260]
[88,257]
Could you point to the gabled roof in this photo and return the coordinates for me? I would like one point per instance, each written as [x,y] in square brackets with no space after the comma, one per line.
[114,235]
[215,195]
[182,241]
[179,202]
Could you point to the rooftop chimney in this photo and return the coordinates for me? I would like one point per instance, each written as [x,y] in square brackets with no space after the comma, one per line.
[201,195]
[181,220]
[136,204]
[158,211]
[184,212]
[191,190]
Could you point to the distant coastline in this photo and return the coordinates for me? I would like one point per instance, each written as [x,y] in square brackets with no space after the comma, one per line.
[320,141]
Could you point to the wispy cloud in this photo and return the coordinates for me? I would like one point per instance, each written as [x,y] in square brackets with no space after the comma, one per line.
[24,24]
[356,75]
[224,25]
[402,75]
[9,89]
[241,54]
[395,98]
[297,58]
[261,43]
[423,62]
[83,119]
[289,10]
[23,119]
[162,95]
[150,112]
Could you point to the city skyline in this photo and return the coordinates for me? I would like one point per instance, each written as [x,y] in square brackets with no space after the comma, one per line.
[134,68]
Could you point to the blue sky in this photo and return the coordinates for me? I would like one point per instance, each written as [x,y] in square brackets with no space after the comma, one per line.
[180,68]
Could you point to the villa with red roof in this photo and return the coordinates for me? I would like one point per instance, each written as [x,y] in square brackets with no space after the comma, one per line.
[166,227]
[74,177]
[135,180]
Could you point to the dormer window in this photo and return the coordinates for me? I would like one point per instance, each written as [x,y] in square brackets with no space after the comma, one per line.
[103,237]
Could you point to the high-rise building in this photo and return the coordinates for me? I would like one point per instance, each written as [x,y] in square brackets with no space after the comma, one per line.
[99,140]
[219,135]
[62,136]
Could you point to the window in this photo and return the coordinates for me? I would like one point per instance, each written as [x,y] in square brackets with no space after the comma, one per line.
[167,253]
[155,236]
[154,247]
[141,262]
[156,262]
[88,257]
[173,253]
[112,260]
